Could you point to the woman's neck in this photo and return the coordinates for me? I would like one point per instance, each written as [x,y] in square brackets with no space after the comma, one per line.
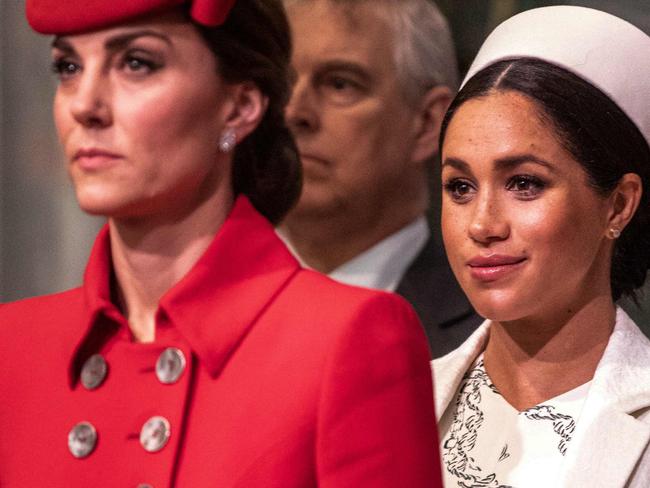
[533,360]
[150,256]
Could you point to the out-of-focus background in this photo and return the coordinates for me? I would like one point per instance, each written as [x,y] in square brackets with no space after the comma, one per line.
[45,239]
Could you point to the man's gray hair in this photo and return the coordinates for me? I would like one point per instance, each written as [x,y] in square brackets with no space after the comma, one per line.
[424,50]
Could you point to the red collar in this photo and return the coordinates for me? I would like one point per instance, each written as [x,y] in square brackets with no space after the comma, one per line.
[217,302]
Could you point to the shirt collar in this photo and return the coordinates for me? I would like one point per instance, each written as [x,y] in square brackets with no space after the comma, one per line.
[382,266]
[217,302]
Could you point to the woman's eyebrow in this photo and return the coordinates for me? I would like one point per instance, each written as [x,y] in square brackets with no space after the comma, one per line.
[61,44]
[120,41]
[510,162]
[115,43]
[456,163]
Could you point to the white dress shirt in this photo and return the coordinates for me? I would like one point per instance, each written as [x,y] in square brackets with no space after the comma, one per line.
[382,266]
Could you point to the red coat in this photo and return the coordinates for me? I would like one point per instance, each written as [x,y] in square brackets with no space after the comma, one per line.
[291,379]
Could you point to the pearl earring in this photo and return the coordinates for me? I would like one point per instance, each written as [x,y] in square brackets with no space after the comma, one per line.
[227,140]
[614,233]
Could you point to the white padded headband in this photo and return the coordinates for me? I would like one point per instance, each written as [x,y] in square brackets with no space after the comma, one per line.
[604,50]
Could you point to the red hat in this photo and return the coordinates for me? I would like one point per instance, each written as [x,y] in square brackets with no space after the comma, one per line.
[73,16]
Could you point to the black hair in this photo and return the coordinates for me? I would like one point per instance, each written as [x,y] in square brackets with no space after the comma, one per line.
[254,44]
[595,131]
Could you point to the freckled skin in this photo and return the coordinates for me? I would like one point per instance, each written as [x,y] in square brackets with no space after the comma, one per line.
[559,228]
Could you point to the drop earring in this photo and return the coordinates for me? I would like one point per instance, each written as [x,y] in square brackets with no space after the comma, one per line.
[227,140]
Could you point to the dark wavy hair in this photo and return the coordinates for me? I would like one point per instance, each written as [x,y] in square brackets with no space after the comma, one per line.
[254,44]
[595,131]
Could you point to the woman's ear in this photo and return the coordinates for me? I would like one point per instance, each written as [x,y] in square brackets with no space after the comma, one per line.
[248,108]
[625,200]
[431,112]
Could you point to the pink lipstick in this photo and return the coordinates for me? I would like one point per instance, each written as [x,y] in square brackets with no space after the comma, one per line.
[494,267]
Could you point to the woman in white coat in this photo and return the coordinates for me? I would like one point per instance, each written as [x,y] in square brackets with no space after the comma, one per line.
[545,159]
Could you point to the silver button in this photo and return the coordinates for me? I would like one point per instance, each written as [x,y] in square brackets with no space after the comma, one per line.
[94,371]
[144,485]
[82,439]
[170,365]
[155,434]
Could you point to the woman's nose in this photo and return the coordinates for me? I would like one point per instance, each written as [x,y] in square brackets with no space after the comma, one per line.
[488,222]
[90,102]
[301,113]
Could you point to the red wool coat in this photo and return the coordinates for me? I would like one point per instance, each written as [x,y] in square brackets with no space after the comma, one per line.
[290,380]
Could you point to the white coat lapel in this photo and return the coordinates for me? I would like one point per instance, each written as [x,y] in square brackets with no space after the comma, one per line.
[448,371]
[609,438]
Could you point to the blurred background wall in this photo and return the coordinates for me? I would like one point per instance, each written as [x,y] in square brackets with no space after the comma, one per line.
[44,238]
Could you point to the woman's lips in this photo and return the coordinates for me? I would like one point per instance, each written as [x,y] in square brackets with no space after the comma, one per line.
[494,267]
[95,159]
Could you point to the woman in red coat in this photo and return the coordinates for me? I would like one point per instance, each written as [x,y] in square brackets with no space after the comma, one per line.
[197,352]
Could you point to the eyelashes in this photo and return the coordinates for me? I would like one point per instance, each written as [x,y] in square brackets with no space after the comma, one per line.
[523,187]
[64,68]
[135,63]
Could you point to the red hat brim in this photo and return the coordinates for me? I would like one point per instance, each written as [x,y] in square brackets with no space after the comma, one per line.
[75,16]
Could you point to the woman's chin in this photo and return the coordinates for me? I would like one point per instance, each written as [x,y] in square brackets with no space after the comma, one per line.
[499,307]
[100,205]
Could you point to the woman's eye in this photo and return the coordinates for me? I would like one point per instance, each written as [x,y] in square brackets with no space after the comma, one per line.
[139,65]
[64,68]
[459,190]
[525,186]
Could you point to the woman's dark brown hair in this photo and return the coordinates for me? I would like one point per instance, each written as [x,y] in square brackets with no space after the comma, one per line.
[598,135]
[254,44]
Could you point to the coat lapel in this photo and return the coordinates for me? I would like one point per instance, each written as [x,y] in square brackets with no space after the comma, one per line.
[605,450]
[610,438]
[448,371]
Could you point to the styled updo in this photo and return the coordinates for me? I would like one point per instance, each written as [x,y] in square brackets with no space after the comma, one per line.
[595,131]
[254,44]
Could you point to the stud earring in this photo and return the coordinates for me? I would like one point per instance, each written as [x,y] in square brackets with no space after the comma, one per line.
[614,233]
[227,140]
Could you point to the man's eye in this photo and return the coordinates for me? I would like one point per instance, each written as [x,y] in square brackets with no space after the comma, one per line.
[339,83]
[340,90]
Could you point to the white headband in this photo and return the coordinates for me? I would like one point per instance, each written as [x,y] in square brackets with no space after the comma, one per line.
[604,50]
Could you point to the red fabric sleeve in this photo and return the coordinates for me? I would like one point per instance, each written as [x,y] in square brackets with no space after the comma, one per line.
[376,424]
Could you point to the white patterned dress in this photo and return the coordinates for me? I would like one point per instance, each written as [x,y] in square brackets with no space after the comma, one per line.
[486,442]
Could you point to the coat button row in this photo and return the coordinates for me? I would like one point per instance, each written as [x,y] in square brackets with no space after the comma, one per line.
[169,367]
[154,435]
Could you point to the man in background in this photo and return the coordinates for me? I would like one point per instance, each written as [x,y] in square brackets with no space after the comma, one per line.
[374,78]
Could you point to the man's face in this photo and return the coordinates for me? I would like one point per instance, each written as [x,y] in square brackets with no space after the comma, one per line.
[353,127]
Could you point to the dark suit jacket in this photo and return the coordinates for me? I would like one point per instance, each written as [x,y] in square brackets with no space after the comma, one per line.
[430,286]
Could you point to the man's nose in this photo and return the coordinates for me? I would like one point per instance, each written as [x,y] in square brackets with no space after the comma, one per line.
[302,111]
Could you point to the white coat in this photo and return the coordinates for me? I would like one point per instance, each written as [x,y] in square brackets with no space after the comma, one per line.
[610,447]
